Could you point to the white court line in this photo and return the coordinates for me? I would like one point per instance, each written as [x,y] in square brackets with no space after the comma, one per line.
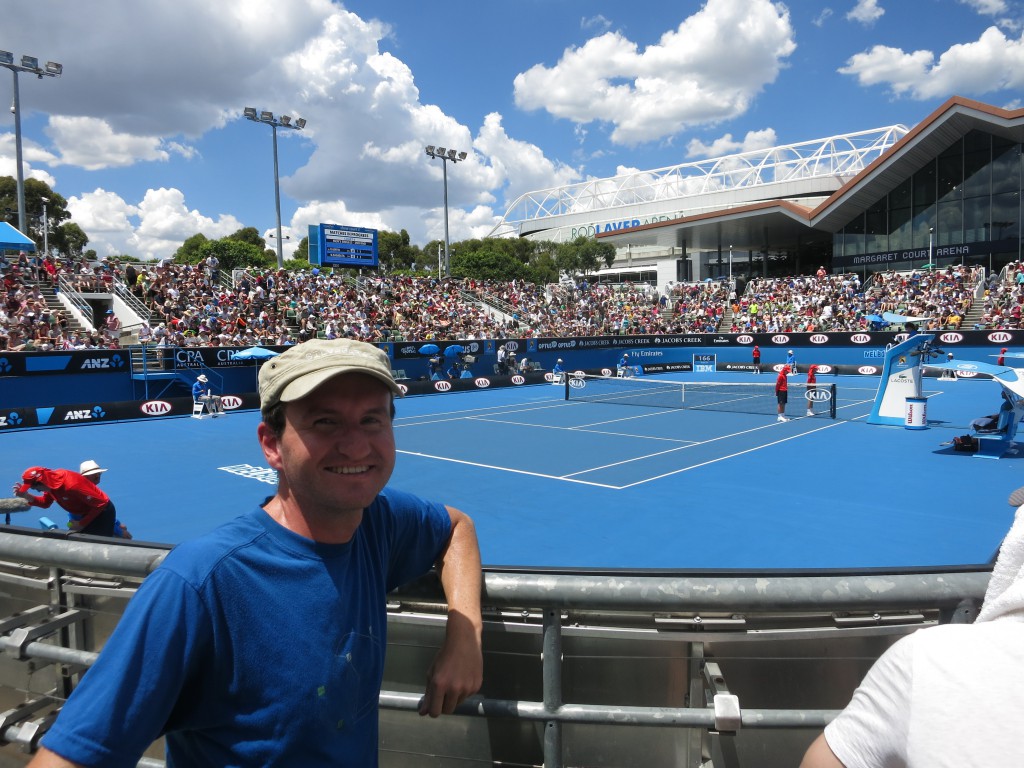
[733,455]
[672,450]
[585,428]
[434,418]
[509,469]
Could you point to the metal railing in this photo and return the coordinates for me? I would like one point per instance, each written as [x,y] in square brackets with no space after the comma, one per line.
[526,613]
[80,306]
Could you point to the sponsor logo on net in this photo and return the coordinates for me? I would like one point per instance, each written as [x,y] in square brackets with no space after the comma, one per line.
[482,383]
[780,338]
[867,370]
[155,408]
[818,395]
[1000,337]
[951,338]
[860,338]
[443,386]
[819,338]
[577,383]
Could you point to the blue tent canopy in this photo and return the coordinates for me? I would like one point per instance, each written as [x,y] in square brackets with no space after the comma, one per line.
[12,240]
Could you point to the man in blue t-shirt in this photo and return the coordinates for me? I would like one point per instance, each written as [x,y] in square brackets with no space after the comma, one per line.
[262,643]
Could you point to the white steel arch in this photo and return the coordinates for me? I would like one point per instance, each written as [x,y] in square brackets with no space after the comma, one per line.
[841,157]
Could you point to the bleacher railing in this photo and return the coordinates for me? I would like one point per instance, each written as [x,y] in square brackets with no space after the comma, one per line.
[579,667]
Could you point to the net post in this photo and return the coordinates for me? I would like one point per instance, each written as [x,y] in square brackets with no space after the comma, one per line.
[565,381]
[832,401]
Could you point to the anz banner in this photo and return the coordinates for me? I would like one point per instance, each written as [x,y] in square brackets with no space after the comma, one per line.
[93,413]
[81,361]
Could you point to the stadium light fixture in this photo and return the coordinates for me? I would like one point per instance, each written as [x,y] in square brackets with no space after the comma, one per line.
[285,121]
[446,156]
[28,64]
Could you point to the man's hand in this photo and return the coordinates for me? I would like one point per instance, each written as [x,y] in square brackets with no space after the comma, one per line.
[457,671]
[458,668]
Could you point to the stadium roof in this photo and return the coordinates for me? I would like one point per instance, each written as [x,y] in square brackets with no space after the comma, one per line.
[779,224]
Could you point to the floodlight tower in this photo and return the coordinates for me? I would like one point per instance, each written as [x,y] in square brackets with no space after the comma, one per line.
[28,64]
[446,156]
[284,121]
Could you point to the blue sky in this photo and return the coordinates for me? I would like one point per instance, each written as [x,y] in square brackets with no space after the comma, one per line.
[143,133]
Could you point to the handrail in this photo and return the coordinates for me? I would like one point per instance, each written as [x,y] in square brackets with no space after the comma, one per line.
[553,603]
[67,287]
[138,307]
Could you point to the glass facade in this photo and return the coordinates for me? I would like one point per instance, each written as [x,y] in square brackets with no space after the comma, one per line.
[963,206]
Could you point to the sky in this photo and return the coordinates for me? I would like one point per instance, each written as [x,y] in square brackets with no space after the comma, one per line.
[143,133]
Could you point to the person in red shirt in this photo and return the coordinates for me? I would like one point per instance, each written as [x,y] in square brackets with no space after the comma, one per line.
[1002,357]
[812,380]
[757,358]
[90,509]
[782,392]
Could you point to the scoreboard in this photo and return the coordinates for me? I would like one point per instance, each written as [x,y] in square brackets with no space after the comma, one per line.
[347,246]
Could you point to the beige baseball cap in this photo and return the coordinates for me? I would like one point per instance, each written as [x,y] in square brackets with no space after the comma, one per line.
[300,369]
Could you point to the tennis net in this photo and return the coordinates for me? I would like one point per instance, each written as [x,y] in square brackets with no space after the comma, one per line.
[706,396]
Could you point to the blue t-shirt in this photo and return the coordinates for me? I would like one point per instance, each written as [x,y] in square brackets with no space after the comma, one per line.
[198,390]
[254,646]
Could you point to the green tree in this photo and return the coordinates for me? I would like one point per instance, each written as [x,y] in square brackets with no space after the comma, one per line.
[485,264]
[35,192]
[395,251]
[190,251]
[69,239]
[234,254]
[249,235]
[302,252]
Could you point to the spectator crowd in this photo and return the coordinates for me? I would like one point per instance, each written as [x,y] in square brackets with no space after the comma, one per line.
[192,305]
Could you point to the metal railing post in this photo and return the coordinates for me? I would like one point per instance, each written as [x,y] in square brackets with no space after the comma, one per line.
[551,670]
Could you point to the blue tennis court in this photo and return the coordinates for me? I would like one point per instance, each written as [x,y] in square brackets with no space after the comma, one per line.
[555,483]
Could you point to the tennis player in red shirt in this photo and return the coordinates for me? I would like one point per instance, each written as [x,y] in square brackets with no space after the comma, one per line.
[782,392]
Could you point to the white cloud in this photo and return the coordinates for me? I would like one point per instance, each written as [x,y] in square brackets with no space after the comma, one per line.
[866,12]
[90,143]
[992,63]
[155,228]
[31,154]
[133,96]
[595,22]
[821,18]
[987,7]
[726,145]
[681,81]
